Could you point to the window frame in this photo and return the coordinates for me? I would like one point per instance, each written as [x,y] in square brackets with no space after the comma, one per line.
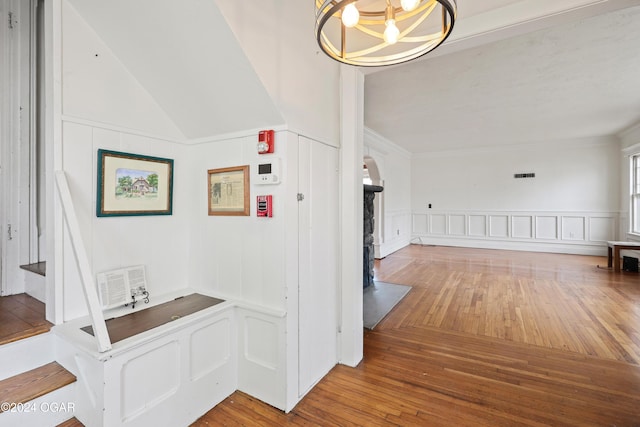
[634,194]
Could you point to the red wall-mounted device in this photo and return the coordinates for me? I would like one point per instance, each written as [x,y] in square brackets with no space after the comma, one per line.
[265,206]
[266,142]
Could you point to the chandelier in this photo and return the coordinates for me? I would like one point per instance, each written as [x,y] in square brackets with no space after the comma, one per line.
[380,32]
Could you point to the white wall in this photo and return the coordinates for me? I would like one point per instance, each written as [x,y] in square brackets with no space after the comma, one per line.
[251,260]
[258,261]
[570,206]
[105,107]
[238,256]
[277,37]
[394,165]
[97,86]
[158,242]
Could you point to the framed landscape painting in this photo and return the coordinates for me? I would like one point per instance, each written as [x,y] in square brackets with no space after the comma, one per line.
[133,184]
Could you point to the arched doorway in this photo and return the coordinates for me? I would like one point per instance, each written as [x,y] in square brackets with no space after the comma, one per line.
[371,175]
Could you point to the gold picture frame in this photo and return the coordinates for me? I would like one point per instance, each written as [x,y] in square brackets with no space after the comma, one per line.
[229,191]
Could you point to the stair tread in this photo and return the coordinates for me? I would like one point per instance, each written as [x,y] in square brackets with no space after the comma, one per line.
[37,382]
[39,268]
[72,422]
[26,333]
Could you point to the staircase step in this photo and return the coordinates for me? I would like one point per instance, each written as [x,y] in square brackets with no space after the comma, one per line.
[37,267]
[37,382]
[21,316]
[25,333]
[24,355]
[73,422]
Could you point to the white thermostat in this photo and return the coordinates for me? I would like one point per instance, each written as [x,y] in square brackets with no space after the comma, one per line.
[268,171]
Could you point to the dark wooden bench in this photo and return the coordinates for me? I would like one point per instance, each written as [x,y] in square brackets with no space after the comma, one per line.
[613,252]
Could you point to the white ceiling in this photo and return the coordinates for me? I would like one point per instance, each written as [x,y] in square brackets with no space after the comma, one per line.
[188,59]
[516,72]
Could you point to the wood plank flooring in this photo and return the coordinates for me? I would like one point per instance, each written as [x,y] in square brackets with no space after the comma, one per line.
[72,422]
[21,316]
[37,382]
[485,338]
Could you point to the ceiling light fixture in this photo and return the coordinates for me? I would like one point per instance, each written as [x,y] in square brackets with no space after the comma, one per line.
[372,33]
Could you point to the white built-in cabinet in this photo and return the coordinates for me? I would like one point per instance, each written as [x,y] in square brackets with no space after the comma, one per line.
[318,260]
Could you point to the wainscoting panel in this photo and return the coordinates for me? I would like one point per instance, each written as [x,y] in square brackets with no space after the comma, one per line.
[259,337]
[142,388]
[420,224]
[573,228]
[438,223]
[564,232]
[547,227]
[261,356]
[499,226]
[206,358]
[457,225]
[478,225]
[398,228]
[522,226]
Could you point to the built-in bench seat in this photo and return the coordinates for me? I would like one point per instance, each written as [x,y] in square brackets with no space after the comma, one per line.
[174,359]
[131,324]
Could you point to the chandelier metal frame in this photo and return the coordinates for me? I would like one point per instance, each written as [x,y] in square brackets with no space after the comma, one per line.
[413,41]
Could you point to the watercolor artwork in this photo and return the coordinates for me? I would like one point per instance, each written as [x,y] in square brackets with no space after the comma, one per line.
[136,183]
[133,184]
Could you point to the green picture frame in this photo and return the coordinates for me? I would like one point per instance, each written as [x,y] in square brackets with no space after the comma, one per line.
[133,184]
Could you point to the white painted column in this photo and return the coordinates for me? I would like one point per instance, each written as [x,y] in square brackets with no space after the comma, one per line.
[351,154]
[53,155]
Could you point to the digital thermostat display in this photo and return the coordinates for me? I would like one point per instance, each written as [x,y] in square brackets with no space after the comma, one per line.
[269,172]
[264,168]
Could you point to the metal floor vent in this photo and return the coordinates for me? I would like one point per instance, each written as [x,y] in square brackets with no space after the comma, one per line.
[524,175]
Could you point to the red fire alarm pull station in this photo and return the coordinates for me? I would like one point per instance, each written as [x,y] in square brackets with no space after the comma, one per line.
[265,206]
[265,142]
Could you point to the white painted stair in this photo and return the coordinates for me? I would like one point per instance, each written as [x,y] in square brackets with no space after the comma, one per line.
[35,391]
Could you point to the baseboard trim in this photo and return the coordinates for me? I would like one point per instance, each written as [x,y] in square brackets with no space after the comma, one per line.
[593,249]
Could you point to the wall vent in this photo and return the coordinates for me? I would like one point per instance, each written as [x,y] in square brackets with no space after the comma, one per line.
[524,175]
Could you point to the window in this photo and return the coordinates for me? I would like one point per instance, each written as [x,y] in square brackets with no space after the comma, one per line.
[635,193]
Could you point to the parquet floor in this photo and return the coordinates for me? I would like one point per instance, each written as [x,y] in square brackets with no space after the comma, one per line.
[485,338]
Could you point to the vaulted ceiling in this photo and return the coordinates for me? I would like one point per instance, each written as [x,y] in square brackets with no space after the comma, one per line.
[515,71]
[186,56]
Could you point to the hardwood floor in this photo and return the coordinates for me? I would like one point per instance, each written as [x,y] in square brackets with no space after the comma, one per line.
[556,301]
[32,384]
[485,338]
[21,316]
